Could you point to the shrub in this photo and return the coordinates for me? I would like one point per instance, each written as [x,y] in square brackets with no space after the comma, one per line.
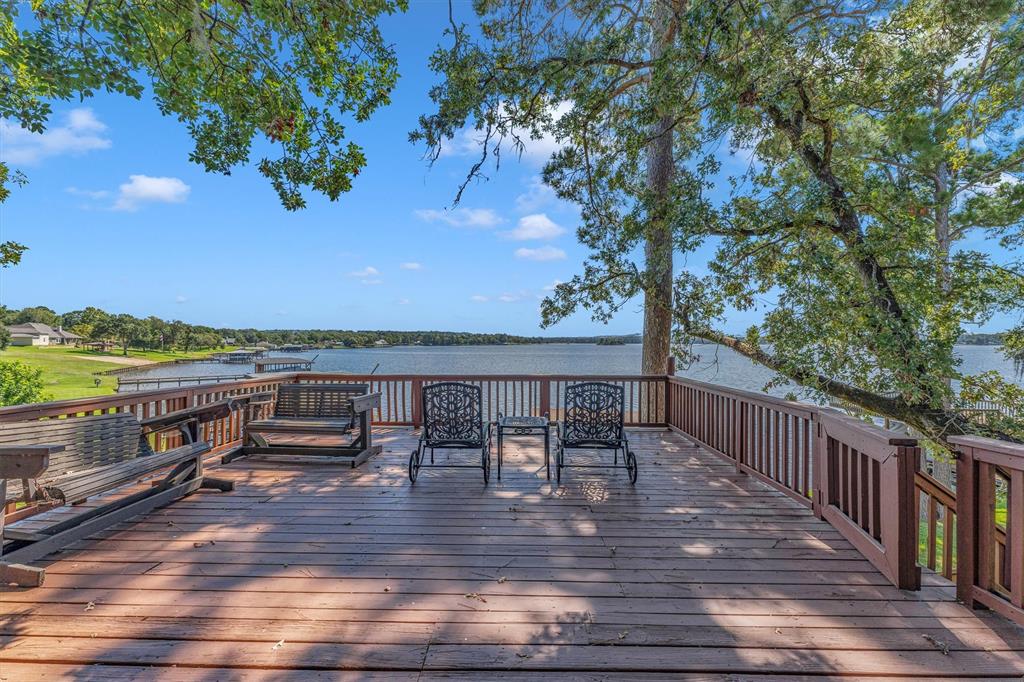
[20,384]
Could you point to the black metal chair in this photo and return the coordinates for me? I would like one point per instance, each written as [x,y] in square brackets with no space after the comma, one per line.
[594,420]
[452,419]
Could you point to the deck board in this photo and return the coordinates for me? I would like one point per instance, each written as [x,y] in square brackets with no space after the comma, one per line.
[308,570]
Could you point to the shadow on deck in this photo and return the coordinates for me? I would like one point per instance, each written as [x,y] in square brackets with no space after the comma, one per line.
[306,569]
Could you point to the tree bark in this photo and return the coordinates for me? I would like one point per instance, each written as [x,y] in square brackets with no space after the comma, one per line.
[658,237]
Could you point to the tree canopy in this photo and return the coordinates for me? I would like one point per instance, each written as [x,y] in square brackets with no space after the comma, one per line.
[233,72]
[879,215]
[600,78]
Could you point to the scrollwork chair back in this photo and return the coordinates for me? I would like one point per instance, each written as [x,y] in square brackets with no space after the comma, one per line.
[453,413]
[594,413]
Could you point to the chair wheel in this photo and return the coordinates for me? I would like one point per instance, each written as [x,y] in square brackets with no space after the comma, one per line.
[631,467]
[487,467]
[413,468]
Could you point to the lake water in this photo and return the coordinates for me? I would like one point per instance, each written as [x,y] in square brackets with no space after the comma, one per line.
[716,364]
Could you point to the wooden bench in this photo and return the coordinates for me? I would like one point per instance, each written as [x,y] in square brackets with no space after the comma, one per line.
[84,457]
[304,412]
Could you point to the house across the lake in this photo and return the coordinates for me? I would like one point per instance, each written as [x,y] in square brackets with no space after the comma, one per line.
[39,334]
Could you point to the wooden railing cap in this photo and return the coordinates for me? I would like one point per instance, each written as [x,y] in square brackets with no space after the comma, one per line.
[989,444]
[883,436]
[781,403]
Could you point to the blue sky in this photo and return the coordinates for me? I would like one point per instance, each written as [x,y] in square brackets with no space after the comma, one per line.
[117,217]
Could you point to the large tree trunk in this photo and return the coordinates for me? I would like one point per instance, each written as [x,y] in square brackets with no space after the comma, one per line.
[658,237]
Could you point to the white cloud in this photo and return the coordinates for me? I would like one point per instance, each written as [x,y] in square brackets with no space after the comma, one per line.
[404,301]
[535,226]
[508,298]
[87,193]
[551,287]
[82,132]
[180,299]
[462,217]
[368,271]
[536,196]
[469,140]
[371,282]
[141,189]
[478,298]
[411,266]
[541,253]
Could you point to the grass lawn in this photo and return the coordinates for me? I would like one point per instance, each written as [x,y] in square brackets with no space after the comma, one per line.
[70,372]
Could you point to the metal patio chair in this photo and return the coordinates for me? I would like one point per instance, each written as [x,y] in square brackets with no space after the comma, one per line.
[594,420]
[452,419]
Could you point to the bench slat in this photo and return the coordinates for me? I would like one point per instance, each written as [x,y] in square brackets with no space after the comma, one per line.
[81,486]
[89,441]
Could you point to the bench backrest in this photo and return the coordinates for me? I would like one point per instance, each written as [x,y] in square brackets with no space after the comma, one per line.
[318,401]
[88,442]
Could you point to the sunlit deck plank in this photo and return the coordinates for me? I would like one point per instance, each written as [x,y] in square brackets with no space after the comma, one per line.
[696,570]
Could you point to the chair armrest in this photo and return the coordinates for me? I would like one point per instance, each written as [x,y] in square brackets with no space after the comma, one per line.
[14,450]
[182,424]
[26,461]
[208,412]
[365,403]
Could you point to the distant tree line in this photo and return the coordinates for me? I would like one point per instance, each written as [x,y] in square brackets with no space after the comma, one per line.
[982,339]
[153,333]
[127,331]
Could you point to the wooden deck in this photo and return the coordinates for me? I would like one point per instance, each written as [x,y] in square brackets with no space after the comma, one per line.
[308,570]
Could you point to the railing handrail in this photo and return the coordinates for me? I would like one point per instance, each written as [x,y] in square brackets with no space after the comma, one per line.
[483,377]
[792,406]
[115,400]
[991,445]
[864,429]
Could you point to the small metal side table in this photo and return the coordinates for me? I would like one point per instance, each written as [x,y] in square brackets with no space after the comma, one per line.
[525,426]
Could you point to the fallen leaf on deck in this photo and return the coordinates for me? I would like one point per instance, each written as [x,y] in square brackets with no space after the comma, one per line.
[503,579]
[623,635]
[938,644]
[90,606]
[387,588]
[524,655]
[278,645]
[474,595]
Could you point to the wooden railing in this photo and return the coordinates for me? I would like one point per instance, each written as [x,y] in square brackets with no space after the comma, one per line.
[534,395]
[990,528]
[867,492]
[855,475]
[221,433]
[859,477]
[936,505]
[767,437]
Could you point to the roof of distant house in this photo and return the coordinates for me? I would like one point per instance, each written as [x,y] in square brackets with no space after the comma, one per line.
[40,329]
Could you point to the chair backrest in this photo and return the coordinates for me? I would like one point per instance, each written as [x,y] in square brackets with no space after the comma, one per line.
[89,442]
[317,401]
[453,413]
[594,412]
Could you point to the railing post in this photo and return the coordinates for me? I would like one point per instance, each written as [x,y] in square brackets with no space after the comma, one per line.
[667,402]
[417,403]
[819,466]
[908,575]
[545,398]
[966,526]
